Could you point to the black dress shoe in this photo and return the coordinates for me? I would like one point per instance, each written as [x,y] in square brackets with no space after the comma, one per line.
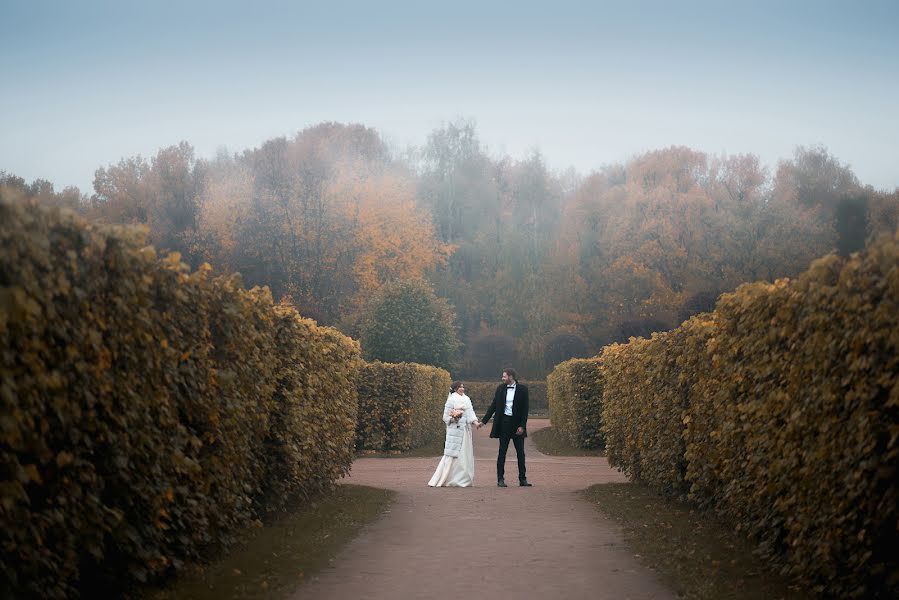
[501,483]
[524,483]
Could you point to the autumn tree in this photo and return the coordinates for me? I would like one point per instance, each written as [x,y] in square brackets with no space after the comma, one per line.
[122,193]
[815,179]
[553,263]
[162,193]
[565,343]
[457,185]
[501,217]
[326,217]
[883,214]
[658,238]
[41,191]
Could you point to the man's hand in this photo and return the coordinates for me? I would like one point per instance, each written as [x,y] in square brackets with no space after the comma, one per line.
[519,431]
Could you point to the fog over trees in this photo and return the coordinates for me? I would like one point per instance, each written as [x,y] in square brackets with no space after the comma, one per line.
[538,266]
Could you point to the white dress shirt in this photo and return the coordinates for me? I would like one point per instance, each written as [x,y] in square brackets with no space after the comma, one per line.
[510,396]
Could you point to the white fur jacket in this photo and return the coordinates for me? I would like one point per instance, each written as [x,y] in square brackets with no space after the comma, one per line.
[456,430]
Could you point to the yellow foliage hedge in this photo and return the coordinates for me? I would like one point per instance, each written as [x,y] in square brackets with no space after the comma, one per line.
[574,391]
[780,410]
[146,412]
[400,406]
[646,394]
[313,433]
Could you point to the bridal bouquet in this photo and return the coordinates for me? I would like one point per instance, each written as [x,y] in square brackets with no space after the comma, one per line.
[456,413]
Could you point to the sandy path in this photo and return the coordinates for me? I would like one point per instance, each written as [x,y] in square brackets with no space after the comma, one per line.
[485,541]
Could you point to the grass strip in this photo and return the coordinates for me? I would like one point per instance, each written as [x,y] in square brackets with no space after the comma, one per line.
[281,555]
[699,556]
[549,442]
[430,450]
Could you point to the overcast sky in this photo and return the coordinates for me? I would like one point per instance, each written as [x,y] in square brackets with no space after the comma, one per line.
[588,83]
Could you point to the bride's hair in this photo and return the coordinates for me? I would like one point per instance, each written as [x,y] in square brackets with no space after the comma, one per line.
[455,386]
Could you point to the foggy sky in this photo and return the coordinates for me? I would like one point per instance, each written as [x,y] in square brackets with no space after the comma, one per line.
[587,83]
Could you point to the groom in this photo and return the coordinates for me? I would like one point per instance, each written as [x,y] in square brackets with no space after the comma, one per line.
[510,412]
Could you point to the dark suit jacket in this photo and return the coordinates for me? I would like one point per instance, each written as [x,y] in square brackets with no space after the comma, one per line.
[498,407]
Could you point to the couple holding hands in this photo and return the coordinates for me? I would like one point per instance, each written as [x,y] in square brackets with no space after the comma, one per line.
[509,410]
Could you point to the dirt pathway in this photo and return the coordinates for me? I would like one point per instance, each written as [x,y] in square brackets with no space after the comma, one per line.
[484,541]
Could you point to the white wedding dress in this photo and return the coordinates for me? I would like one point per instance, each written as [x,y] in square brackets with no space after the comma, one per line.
[456,468]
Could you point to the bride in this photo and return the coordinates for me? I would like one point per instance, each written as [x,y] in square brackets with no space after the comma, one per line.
[456,468]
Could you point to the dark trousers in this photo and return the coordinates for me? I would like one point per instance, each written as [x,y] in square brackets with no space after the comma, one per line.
[506,433]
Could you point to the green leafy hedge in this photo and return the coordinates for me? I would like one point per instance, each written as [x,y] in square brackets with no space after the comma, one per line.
[779,410]
[574,389]
[400,406]
[146,412]
[385,332]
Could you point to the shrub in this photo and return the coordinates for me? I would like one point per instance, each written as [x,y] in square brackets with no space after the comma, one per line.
[139,403]
[400,406]
[645,398]
[574,391]
[780,411]
[406,322]
[313,432]
[793,427]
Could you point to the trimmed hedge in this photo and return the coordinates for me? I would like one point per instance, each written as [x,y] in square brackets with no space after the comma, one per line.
[793,432]
[400,406]
[147,413]
[481,394]
[786,399]
[575,402]
[313,432]
[645,398]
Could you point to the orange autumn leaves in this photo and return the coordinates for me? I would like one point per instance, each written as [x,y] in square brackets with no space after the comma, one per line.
[326,217]
[393,238]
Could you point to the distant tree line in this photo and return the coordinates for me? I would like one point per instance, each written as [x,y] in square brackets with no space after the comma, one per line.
[515,263]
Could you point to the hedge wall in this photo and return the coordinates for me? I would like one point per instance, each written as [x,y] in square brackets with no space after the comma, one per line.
[481,394]
[575,402]
[140,405]
[645,396]
[400,406]
[780,410]
[793,432]
[313,433]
